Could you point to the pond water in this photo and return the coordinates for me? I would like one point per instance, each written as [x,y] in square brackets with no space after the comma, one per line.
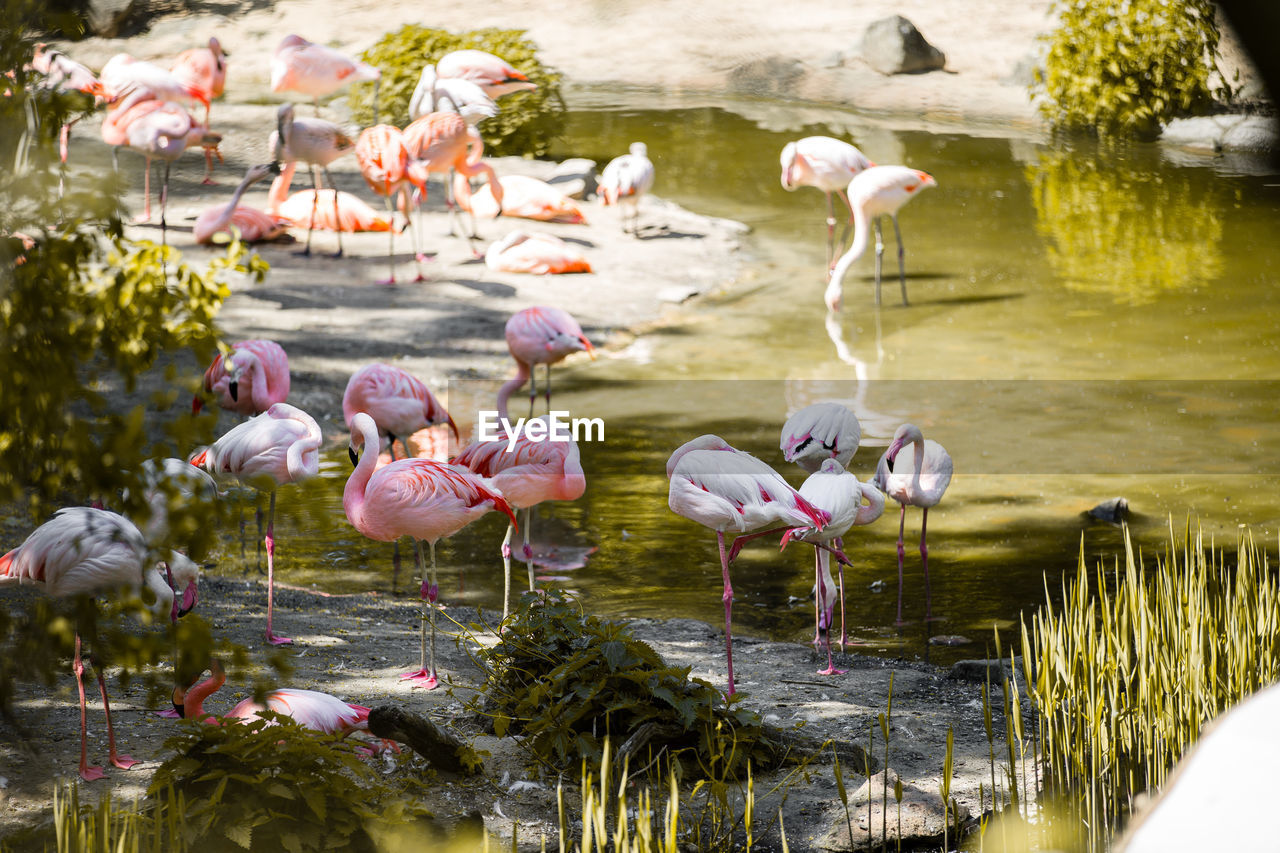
[1084,323]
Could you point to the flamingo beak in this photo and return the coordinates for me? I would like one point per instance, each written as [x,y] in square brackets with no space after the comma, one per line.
[590,349]
[178,700]
[233,388]
[353,456]
[189,597]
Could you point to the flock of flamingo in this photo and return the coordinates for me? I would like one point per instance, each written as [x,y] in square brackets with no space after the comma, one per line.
[84,550]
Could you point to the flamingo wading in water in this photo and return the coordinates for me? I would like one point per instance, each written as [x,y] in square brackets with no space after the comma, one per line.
[422,498]
[819,432]
[875,192]
[726,489]
[828,164]
[539,335]
[914,472]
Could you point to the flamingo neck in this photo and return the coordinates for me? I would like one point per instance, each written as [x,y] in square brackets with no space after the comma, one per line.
[193,702]
[353,493]
[225,219]
[847,260]
[279,192]
[511,386]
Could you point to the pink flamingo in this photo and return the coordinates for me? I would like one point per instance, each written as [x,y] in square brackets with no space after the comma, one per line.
[265,366]
[124,75]
[828,164]
[839,493]
[399,403]
[914,471]
[538,254]
[414,497]
[820,432]
[245,223]
[87,551]
[312,208]
[384,163]
[539,335]
[723,488]
[443,142]
[519,196]
[282,445]
[624,182]
[316,71]
[464,97]
[527,475]
[205,69]
[874,192]
[491,73]
[64,74]
[315,142]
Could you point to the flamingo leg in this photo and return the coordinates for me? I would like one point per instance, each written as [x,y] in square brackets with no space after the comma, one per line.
[844,232]
[146,192]
[740,541]
[547,391]
[902,252]
[879,258]
[728,609]
[902,522]
[413,235]
[924,558]
[533,387]
[425,676]
[271,572]
[124,762]
[257,515]
[506,573]
[391,238]
[528,552]
[831,667]
[337,218]
[844,634]
[315,203]
[87,773]
[164,203]
[817,598]
[831,234]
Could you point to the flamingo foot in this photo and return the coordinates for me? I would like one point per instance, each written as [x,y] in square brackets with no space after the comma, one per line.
[426,256]
[142,217]
[337,254]
[831,670]
[420,278]
[90,773]
[303,253]
[277,640]
[389,282]
[210,182]
[124,762]
[168,714]
[422,678]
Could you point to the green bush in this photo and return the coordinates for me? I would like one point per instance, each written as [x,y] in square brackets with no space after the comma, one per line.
[1126,67]
[526,123]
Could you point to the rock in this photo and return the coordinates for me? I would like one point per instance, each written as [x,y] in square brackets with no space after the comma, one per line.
[1223,132]
[1253,133]
[773,77]
[893,45]
[575,177]
[921,814]
[105,16]
[1113,511]
[677,293]
[977,670]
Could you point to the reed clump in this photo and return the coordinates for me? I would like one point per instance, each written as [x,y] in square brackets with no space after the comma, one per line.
[1136,660]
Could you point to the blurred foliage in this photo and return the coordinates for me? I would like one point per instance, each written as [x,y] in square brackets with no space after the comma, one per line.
[1126,67]
[565,680]
[1115,228]
[526,122]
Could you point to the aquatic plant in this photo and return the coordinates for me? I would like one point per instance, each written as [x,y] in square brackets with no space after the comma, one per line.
[1125,67]
[526,123]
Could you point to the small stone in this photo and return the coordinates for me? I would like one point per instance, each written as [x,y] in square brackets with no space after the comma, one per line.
[1113,511]
[677,293]
[893,45]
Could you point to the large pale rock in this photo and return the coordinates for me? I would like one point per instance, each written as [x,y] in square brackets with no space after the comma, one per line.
[1223,133]
[921,813]
[893,45]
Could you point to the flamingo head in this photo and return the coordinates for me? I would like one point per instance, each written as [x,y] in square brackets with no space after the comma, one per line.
[788,162]
[905,434]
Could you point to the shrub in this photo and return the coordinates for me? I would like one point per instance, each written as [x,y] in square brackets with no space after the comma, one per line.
[1126,67]
[526,123]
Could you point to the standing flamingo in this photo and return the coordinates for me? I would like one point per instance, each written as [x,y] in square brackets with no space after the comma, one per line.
[539,335]
[315,142]
[443,142]
[421,498]
[124,75]
[384,163]
[492,73]
[464,97]
[86,551]
[915,472]
[819,432]
[828,164]
[874,192]
[527,474]
[316,71]
[723,488]
[260,364]
[538,254]
[624,182]
[281,445]
[399,403]
[64,74]
[204,69]
[837,491]
[244,223]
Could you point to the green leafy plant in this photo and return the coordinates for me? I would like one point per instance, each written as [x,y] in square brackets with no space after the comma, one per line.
[526,123]
[1126,67]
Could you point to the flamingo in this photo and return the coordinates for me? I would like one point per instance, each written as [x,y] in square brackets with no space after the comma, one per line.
[87,551]
[914,472]
[519,196]
[464,97]
[124,75]
[205,69]
[64,74]
[281,445]
[828,164]
[624,182]
[724,488]
[312,208]
[444,142]
[421,498]
[837,491]
[261,364]
[527,474]
[315,142]
[539,254]
[539,335]
[820,432]
[399,403]
[316,71]
[491,73]
[245,223]
[384,163]
[874,192]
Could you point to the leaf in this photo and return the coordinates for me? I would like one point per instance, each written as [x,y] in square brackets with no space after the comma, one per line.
[239,834]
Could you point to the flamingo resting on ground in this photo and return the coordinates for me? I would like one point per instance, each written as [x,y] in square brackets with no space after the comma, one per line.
[282,445]
[527,474]
[539,335]
[249,379]
[723,488]
[914,471]
[624,182]
[316,71]
[246,223]
[315,142]
[537,254]
[327,209]
[384,163]
[874,192]
[837,491]
[828,164]
[86,551]
[491,73]
[421,498]
[521,197]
